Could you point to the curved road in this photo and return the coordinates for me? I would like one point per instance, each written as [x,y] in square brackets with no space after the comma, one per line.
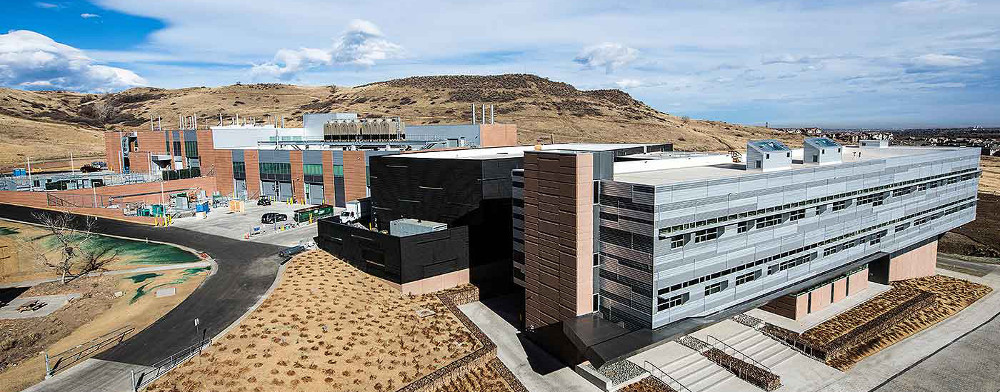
[246,270]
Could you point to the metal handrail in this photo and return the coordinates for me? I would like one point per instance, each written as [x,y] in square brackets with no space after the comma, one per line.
[165,365]
[746,358]
[670,381]
[83,350]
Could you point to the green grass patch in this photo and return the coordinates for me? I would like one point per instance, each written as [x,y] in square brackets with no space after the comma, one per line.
[143,277]
[4,230]
[135,252]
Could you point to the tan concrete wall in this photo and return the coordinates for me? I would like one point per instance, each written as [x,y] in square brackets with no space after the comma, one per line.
[558,213]
[858,282]
[436,283]
[916,263]
[820,298]
[840,289]
[497,135]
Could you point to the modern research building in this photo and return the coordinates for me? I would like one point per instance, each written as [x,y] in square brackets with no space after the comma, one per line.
[621,255]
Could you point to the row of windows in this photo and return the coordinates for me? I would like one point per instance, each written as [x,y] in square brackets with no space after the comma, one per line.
[773,220]
[312,169]
[673,301]
[969,174]
[716,287]
[970,202]
[789,264]
[275,168]
[748,277]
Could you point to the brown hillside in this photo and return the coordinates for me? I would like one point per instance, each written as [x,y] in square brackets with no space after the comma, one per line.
[48,125]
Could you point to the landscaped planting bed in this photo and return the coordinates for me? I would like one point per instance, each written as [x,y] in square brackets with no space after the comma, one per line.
[911,306]
[648,384]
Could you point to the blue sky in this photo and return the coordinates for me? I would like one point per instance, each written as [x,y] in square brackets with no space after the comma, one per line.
[898,63]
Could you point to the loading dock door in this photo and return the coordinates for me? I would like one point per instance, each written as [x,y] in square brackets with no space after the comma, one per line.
[240,189]
[285,191]
[267,188]
[314,193]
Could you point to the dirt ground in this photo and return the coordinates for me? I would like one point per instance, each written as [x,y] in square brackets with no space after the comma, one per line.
[18,262]
[983,231]
[328,327]
[953,295]
[91,316]
[990,181]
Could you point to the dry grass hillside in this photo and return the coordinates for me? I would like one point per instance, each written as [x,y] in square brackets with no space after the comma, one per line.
[47,125]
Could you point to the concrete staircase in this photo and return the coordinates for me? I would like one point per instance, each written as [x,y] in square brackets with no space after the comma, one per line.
[699,374]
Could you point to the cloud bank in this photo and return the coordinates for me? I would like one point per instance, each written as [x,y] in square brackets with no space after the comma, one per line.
[31,60]
[362,44]
[608,55]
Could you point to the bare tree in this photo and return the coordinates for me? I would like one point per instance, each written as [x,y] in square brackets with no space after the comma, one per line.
[71,253]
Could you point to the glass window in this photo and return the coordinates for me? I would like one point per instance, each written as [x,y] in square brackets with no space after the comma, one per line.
[338,170]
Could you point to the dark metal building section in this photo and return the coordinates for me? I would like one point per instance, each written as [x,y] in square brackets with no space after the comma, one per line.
[460,192]
[396,259]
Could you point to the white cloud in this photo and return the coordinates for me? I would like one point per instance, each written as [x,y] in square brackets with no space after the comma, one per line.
[362,44]
[945,61]
[89,16]
[607,55]
[46,5]
[921,6]
[33,61]
[628,83]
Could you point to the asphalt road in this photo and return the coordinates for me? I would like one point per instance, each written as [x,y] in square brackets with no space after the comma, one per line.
[970,363]
[245,271]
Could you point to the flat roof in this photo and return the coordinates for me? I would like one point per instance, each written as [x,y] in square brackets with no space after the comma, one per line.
[517,151]
[724,170]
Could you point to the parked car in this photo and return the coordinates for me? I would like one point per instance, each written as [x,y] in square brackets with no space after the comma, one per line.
[264,201]
[273,217]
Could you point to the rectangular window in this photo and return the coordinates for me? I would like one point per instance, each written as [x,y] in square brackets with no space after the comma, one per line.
[796,215]
[768,221]
[706,235]
[191,148]
[312,170]
[338,170]
[744,227]
[716,287]
[677,241]
[239,170]
[840,205]
[672,302]
[747,277]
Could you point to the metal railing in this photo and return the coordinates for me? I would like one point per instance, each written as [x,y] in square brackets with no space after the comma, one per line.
[59,361]
[738,354]
[671,382]
[158,369]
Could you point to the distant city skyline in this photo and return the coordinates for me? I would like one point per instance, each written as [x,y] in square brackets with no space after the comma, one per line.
[847,64]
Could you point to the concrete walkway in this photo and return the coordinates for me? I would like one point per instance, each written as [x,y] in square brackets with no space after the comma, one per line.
[514,353]
[140,270]
[927,346]
[92,375]
[52,303]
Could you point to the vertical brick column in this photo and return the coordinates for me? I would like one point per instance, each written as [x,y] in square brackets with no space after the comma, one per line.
[112,149]
[329,195]
[251,159]
[558,236]
[355,175]
[298,179]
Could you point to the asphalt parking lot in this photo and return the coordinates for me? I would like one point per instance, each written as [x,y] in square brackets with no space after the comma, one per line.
[222,222]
